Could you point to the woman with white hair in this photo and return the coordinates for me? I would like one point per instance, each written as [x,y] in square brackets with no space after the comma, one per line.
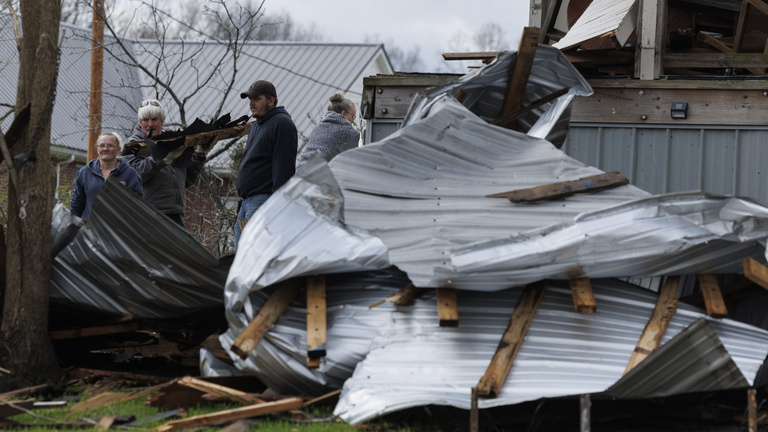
[90,178]
[164,183]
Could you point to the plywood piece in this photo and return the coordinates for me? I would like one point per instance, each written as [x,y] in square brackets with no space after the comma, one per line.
[490,384]
[447,307]
[17,408]
[316,318]
[565,188]
[665,309]
[706,106]
[583,297]
[756,272]
[713,297]
[282,405]
[270,311]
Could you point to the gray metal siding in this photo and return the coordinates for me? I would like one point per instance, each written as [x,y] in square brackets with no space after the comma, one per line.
[662,159]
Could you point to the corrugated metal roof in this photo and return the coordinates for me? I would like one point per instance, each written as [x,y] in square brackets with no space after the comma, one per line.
[69,124]
[415,203]
[131,260]
[305,74]
[601,17]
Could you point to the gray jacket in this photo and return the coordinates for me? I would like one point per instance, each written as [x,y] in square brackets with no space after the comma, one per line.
[330,137]
[164,184]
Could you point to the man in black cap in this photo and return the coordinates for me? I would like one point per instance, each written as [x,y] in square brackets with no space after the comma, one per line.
[270,151]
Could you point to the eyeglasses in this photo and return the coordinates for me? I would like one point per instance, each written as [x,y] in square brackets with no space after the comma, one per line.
[150,102]
[106,146]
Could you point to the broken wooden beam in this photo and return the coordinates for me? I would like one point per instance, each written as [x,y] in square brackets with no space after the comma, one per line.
[751,410]
[316,320]
[270,311]
[756,272]
[447,307]
[93,331]
[283,405]
[566,188]
[521,71]
[583,297]
[484,56]
[403,297]
[666,306]
[514,115]
[202,138]
[713,297]
[219,390]
[490,384]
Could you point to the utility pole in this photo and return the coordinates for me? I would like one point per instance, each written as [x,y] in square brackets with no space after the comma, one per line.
[97,73]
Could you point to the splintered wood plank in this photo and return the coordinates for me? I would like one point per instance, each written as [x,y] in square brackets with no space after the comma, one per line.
[219,390]
[520,73]
[665,309]
[18,407]
[270,311]
[93,331]
[316,318]
[565,188]
[756,272]
[283,405]
[447,307]
[583,297]
[490,384]
[106,422]
[403,297]
[713,297]
[323,398]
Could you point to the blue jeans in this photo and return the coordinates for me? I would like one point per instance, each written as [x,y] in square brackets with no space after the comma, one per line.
[247,209]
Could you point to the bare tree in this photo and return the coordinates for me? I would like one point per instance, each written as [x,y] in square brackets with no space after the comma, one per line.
[402,60]
[25,348]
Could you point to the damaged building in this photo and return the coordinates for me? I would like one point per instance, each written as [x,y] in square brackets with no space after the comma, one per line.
[469,259]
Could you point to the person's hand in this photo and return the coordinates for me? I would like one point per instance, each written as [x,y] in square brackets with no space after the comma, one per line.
[172,155]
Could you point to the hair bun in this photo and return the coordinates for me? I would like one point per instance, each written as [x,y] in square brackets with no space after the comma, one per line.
[336,97]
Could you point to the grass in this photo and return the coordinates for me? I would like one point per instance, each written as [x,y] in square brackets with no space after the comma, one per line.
[317,419]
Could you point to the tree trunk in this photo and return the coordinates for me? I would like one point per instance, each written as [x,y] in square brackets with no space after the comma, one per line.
[25,348]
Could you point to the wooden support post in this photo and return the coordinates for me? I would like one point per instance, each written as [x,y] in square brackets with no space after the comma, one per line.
[665,309]
[565,188]
[403,297]
[756,272]
[713,297]
[521,71]
[490,384]
[283,405]
[474,414]
[586,412]
[270,311]
[583,297]
[447,307]
[316,320]
[751,410]
[97,73]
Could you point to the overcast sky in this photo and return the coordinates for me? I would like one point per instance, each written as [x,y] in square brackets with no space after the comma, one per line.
[429,24]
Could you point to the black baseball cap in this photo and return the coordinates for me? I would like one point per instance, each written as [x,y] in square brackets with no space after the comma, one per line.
[260,87]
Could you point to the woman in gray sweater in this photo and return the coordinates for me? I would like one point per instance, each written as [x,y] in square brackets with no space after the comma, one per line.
[335,132]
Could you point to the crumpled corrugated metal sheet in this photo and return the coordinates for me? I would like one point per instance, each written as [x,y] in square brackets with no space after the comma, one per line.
[485,90]
[130,260]
[412,207]
[565,353]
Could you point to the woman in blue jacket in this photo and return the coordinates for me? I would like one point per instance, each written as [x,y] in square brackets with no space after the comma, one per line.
[90,178]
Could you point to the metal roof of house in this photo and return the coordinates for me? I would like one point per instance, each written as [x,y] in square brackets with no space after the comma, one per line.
[305,75]
[69,124]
